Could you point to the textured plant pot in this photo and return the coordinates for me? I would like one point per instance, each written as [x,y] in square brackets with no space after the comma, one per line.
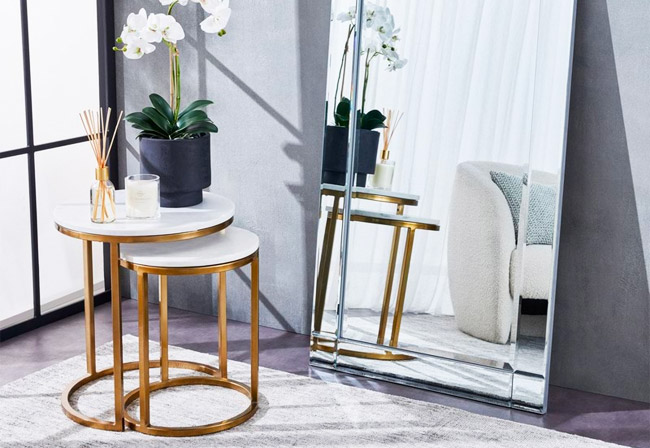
[335,155]
[183,167]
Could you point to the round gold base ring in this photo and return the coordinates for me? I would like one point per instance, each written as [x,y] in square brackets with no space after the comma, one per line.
[96,423]
[191,430]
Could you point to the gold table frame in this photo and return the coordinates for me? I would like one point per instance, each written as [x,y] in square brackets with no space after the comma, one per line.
[398,221]
[218,377]
[119,367]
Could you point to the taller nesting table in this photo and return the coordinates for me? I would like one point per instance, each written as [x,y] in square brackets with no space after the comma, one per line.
[337,192]
[214,214]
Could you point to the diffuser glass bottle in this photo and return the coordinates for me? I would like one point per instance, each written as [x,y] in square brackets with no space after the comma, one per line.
[102,197]
[102,192]
[385,169]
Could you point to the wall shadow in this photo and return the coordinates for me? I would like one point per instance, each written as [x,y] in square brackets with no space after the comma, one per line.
[310,20]
[601,312]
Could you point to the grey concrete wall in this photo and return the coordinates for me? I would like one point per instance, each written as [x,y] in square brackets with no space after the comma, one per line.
[267,78]
[602,315]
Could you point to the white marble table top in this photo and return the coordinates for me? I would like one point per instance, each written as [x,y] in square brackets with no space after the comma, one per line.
[375,191]
[229,245]
[215,210]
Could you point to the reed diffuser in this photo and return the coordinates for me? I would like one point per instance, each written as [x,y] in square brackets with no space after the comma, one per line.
[384,170]
[102,191]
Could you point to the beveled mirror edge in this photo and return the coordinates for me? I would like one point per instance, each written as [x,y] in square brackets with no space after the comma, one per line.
[558,218]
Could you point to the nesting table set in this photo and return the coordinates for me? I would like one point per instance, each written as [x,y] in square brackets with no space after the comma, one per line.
[183,241]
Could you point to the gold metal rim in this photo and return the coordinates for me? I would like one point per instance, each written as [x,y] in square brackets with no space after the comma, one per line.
[192,270]
[165,238]
[189,431]
[96,423]
[386,356]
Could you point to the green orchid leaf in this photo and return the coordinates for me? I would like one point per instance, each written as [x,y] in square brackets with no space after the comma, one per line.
[193,117]
[372,120]
[202,128]
[158,119]
[140,119]
[342,113]
[163,107]
[195,105]
[159,122]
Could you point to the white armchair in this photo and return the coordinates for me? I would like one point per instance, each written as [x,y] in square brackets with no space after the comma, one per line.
[483,256]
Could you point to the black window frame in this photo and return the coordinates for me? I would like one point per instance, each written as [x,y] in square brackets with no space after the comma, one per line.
[107,98]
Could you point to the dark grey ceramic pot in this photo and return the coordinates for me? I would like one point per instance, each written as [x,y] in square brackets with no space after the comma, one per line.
[183,167]
[335,155]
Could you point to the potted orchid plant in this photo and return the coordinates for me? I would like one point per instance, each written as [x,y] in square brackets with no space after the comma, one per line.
[174,142]
[378,44]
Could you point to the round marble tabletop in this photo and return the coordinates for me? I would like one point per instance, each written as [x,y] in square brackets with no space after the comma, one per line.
[212,215]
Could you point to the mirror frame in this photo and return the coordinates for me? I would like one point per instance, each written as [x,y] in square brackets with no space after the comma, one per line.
[503,374]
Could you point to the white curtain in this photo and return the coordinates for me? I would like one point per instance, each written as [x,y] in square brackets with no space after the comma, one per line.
[467,93]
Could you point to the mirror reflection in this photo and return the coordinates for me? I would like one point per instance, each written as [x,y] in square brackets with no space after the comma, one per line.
[458,166]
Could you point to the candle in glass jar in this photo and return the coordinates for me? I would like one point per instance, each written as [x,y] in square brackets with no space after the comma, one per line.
[383,177]
[142,196]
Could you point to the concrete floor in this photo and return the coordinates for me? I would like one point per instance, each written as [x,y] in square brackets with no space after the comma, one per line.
[597,416]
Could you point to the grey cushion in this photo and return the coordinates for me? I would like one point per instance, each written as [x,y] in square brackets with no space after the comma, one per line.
[541,208]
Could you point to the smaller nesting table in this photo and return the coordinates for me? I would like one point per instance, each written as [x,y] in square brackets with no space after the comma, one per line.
[229,249]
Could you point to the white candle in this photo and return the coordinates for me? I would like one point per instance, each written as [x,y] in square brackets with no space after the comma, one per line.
[383,177]
[142,196]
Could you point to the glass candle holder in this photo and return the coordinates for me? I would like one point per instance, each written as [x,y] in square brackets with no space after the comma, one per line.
[383,177]
[102,198]
[142,196]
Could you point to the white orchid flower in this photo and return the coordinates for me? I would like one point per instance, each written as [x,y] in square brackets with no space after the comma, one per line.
[396,64]
[347,16]
[172,31]
[138,48]
[162,26]
[375,16]
[169,2]
[386,29]
[218,20]
[153,30]
[370,43]
[209,5]
[135,23]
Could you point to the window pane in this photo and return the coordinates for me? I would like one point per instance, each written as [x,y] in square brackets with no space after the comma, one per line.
[64,71]
[16,300]
[12,119]
[63,175]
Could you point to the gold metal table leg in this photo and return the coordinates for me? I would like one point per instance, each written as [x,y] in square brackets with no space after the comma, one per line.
[143,337]
[390,275]
[255,327]
[324,265]
[401,292]
[118,368]
[116,310]
[89,306]
[223,328]
[164,332]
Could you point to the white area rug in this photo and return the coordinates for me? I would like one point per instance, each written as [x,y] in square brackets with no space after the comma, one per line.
[294,411]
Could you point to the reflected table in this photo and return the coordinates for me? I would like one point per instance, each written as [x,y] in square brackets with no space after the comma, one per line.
[397,221]
[214,214]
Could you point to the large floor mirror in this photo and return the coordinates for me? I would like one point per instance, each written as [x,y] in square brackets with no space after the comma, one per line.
[439,223]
